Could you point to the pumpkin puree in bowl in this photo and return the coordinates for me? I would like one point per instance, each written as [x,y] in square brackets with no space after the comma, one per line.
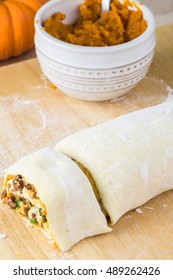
[123,23]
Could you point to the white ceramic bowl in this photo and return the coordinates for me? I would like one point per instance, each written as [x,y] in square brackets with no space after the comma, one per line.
[92,73]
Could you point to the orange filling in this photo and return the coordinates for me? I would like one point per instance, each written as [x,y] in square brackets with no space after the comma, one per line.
[123,23]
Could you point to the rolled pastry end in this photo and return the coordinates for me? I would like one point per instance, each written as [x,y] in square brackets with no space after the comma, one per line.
[23,197]
[52,194]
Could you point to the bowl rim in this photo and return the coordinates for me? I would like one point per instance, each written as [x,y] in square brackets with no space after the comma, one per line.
[148,15]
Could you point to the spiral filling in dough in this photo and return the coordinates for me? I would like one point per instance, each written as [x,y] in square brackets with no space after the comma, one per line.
[22,197]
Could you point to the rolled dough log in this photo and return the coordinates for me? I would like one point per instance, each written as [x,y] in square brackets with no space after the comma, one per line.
[72,211]
[130,158]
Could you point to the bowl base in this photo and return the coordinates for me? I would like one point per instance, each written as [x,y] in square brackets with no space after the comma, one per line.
[93,96]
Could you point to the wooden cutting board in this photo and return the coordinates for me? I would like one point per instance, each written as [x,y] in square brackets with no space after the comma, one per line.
[33,115]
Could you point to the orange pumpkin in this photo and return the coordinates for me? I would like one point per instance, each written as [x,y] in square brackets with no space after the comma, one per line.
[17,26]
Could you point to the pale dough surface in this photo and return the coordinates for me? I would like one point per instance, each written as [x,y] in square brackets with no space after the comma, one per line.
[130,157]
[73,212]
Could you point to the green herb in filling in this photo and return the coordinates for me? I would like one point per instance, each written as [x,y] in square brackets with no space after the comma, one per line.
[33,221]
[18,202]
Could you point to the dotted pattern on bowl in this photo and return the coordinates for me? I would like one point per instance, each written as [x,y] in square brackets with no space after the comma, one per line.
[85,80]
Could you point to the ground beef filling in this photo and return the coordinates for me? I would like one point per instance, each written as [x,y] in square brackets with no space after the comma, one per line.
[123,23]
[22,197]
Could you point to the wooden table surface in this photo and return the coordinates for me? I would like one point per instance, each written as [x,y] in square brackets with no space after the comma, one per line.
[33,115]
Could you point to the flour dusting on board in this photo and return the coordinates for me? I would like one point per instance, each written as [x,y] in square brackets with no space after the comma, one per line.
[2,236]
[149,208]
[138,210]
[61,255]
[150,91]
[43,85]
[32,120]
